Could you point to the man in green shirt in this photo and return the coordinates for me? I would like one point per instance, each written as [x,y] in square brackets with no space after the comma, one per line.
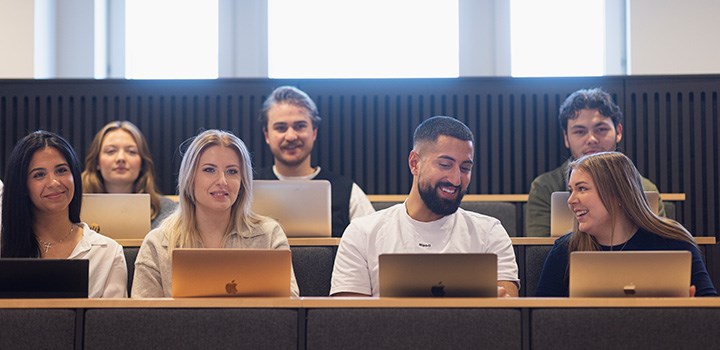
[591,123]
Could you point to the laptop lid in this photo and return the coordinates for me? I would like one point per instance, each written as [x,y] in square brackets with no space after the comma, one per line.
[630,274]
[117,215]
[230,272]
[43,278]
[302,207]
[562,218]
[437,275]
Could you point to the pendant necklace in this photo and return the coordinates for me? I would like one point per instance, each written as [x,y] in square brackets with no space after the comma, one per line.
[48,245]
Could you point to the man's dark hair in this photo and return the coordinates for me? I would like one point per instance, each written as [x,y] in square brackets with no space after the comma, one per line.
[589,99]
[432,128]
[292,96]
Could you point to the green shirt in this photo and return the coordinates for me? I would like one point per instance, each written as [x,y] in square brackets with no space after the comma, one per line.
[537,212]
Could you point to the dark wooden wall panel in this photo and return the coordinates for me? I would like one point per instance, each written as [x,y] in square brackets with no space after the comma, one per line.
[675,141]
[671,125]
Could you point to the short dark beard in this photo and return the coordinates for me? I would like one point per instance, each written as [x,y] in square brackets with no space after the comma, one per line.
[438,205]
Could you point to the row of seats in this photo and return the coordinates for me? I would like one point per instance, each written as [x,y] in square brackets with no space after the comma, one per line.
[504,327]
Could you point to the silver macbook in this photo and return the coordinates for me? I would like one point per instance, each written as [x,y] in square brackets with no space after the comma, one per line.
[230,272]
[630,274]
[562,218]
[118,216]
[438,275]
[302,207]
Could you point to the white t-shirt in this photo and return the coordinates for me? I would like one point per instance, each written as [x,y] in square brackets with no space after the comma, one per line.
[393,231]
[108,274]
[359,203]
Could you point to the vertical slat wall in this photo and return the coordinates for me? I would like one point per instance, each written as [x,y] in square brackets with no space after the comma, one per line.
[675,142]
[670,125]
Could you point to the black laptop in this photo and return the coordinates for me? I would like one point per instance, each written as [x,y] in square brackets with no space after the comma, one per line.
[43,278]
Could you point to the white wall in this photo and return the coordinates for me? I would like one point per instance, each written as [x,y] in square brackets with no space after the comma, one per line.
[663,37]
[16,38]
[673,37]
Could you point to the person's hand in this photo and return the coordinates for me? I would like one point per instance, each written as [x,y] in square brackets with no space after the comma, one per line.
[692,291]
[503,293]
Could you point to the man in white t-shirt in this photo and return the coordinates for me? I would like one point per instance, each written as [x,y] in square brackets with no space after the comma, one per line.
[430,220]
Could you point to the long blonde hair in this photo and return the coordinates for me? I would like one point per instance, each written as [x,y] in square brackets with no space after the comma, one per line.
[92,179]
[619,186]
[181,225]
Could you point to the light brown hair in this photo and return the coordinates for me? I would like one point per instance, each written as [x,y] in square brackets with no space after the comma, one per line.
[619,186]
[92,179]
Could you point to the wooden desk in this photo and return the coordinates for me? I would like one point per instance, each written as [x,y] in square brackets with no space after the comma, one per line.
[673,197]
[334,241]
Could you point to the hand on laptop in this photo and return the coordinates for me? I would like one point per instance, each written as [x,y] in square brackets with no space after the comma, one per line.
[503,293]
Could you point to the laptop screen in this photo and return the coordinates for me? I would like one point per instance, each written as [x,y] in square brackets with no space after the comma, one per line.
[438,275]
[630,274]
[117,215]
[229,272]
[302,207]
[43,278]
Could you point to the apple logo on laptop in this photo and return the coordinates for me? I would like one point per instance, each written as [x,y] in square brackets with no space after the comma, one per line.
[231,287]
[438,290]
[629,289]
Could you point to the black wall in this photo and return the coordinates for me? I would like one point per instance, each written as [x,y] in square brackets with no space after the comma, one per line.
[671,125]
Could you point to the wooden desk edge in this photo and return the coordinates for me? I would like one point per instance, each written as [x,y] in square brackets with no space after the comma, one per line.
[672,197]
[335,241]
[339,303]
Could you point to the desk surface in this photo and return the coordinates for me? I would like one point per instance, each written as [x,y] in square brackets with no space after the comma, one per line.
[329,302]
[674,197]
[316,242]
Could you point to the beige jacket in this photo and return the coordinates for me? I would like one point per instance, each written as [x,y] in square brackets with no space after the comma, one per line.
[153,266]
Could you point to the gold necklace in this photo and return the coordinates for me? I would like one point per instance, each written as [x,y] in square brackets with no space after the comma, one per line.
[48,245]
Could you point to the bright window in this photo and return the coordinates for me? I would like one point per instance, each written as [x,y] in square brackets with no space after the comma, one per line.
[171,39]
[362,38]
[557,37]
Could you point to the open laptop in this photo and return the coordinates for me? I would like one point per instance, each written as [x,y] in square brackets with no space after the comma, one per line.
[302,207]
[116,215]
[562,218]
[43,278]
[230,272]
[630,274]
[438,275]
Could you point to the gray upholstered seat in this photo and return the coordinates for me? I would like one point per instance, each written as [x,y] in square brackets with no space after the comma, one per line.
[313,269]
[506,212]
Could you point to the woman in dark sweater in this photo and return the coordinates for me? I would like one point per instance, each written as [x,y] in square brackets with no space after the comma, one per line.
[612,214]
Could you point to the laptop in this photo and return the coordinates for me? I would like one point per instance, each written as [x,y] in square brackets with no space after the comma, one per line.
[117,215]
[43,278]
[630,274]
[438,275]
[562,218]
[302,207]
[230,272]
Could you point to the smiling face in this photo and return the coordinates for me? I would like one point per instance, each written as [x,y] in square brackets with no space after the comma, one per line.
[50,182]
[290,134]
[119,161]
[442,170]
[591,132]
[584,201]
[217,179]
